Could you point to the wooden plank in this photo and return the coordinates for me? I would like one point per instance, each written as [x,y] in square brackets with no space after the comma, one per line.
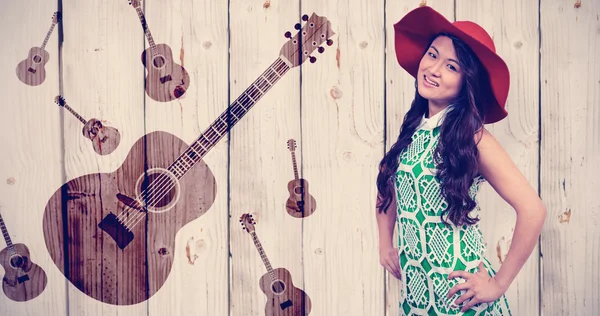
[342,125]
[102,79]
[197,34]
[570,152]
[400,93]
[260,165]
[514,28]
[30,135]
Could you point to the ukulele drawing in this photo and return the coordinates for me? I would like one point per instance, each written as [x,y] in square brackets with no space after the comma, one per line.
[166,80]
[105,139]
[31,70]
[23,279]
[112,235]
[300,203]
[283,298]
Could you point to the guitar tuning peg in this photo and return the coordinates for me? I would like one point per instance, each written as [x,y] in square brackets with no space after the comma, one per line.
[298,26]
[321,49]
[288,34]
[313,59]
[305,17]
[329,42]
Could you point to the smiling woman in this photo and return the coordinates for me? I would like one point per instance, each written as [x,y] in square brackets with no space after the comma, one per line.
[429,180]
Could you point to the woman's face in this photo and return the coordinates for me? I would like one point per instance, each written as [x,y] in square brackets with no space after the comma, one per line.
[439,78]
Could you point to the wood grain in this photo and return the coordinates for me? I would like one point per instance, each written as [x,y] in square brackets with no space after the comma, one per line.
[570,151]
[342,134]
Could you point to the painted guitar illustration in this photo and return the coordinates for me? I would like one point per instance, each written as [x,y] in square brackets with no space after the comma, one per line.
[105,139]
[23,279]
[283,298]
[31,71]
[300,203]
[113,234]
[166,80]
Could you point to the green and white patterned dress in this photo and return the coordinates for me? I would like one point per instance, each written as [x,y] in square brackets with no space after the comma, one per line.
[428,249]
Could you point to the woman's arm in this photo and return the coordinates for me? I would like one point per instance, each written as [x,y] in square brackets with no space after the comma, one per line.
[386,222]
[502,174]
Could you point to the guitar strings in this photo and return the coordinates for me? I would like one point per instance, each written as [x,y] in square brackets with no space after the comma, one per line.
[164,185]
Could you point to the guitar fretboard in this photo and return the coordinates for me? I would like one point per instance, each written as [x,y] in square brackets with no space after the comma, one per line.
[295,165]
[211,136]
[48,35]
[66,106]
[5,234]
[140,14]
[263,256]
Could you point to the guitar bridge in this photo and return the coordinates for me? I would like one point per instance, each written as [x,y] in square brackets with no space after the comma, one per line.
[115,229]
[166,78]
[23,278]
[31,70]
[286,304]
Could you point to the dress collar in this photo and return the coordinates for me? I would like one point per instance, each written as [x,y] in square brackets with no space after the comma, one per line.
[434,121]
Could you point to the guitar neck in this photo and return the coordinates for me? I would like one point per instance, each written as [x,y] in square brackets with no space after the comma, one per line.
[262,253]
[140,14]
[48,35]
[66,106]
[295,165]
[5,233]
[219,128]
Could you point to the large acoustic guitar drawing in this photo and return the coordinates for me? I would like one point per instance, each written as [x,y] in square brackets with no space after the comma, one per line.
[105,139]
[113,234]
[31,70]
[283,298]
[23,280]
[300,203]
[166,80]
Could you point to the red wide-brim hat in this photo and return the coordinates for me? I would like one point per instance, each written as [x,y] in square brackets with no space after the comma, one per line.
[414,32]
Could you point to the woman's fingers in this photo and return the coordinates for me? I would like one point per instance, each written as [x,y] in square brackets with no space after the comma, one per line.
[464,297]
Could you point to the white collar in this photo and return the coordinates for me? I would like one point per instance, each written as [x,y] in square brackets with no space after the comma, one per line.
[434,121]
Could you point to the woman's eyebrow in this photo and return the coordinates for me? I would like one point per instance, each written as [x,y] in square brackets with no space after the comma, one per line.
[438,52]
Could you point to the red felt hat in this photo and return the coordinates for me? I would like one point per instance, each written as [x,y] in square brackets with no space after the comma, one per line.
[414,31]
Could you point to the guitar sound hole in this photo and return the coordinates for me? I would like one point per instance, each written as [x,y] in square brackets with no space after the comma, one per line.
[159,61]
[17,261]
[278,287]
[299,190]
[162,191]
[37,59]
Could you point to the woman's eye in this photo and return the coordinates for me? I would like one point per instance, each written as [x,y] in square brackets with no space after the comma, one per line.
[451,67]
[431,54]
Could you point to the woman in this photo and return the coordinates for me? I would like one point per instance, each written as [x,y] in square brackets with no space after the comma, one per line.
[429,179]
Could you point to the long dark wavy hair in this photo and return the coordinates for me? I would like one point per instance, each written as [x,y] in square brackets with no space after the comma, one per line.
[456,153]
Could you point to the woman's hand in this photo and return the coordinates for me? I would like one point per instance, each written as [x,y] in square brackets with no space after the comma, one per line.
[480,288]
[388,257]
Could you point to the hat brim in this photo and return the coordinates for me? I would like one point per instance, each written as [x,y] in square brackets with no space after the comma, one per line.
[412,35]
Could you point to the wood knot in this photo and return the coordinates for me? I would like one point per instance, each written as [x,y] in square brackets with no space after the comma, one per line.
[363,44]
[163,251]
[335,92]
[11,181]
[207,44]
[518,44]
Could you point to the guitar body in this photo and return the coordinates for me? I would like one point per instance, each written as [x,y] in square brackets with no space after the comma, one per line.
[166,80]
[91,248]
[300,203]
[23,279]
[31,71]
[105,139]
[283,298]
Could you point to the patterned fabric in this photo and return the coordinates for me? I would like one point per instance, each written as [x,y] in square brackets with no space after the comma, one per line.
[428,249]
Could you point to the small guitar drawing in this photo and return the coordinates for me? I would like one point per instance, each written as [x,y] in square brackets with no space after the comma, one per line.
[283,298]
[166,80]
[300,203]
[24,280]
[104,138]
[31,71]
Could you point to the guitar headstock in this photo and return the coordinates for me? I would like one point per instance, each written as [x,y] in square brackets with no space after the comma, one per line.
[291,144]
[315,32]
[247,222]
[60,100]
[56,17]
[135,3]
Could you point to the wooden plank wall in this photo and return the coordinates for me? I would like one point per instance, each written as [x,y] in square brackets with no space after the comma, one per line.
[343,111]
